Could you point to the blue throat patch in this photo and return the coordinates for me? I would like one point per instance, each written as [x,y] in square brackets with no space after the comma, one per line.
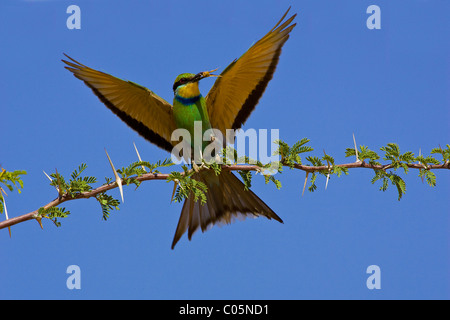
[187,101]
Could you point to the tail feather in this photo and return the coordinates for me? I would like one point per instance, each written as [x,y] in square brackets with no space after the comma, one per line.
[226,200]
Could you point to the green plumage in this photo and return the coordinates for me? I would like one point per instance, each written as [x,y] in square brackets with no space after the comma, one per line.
[189,106]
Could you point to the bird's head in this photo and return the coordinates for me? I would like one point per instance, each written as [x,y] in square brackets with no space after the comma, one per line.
[190,80]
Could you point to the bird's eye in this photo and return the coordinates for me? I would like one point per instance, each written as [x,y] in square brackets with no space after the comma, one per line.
[180,82]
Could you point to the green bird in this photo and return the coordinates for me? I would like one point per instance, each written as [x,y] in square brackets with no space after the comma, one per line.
[228,104]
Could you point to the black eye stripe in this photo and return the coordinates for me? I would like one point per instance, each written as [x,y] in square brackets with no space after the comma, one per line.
[180,82]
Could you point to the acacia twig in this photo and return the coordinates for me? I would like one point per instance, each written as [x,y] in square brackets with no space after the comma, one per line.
[237,167]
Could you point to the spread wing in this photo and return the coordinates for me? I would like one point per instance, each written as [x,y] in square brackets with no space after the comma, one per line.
[141,109]
[240,86]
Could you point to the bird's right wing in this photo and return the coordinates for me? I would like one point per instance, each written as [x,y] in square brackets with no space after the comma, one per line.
[141,109]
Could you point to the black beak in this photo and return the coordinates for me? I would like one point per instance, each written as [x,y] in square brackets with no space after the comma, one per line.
[205,74]
[199,76]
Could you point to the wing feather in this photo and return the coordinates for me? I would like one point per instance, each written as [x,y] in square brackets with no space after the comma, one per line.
[141,109]
[237,91]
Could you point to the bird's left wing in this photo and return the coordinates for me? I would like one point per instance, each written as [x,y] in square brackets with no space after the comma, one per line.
[236,92]
[147,113]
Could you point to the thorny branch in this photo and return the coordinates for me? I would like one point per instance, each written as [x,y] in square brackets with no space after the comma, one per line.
[164,176]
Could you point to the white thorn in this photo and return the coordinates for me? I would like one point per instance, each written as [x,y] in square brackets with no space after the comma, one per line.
[178,183]
[304,185]
[47,176]
[6,211]
[174,189]
[195,166]
[118,180]
[139,156]
[4,206]
[420,153]
[328,175]
[356,149]
[51,180]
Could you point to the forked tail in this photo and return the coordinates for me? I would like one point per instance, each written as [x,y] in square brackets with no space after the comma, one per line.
[227,200]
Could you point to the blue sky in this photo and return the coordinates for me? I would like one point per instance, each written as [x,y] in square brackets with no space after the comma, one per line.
[335,78]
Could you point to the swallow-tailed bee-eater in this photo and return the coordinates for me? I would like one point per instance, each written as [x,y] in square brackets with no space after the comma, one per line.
[228,104]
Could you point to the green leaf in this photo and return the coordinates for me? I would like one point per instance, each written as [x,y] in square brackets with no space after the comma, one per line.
[75,174]
[272,178]
[187,186]
[291,156]
[247,177]
[53,213]
[387,177]
[339,170]
[431,178]
[12,179]
[444,152]
[313,185]
[107,204]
